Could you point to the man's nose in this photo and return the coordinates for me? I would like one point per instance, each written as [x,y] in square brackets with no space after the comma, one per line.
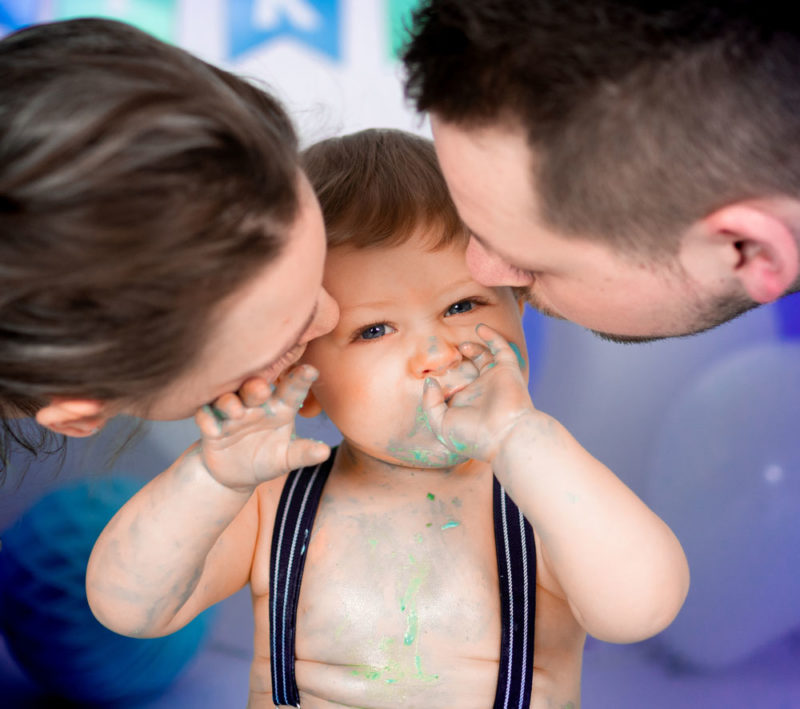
[489,269]
[325,319]
[434,356]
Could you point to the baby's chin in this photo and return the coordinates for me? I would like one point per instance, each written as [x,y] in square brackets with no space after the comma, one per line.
[431,456]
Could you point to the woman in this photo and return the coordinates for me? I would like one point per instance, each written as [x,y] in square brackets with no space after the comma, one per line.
[158,243]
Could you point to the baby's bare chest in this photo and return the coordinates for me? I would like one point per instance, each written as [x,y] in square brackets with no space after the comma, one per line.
[400,597]
[402,578]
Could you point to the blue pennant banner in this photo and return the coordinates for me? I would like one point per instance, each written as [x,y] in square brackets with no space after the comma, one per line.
[17,13]
[157,17]
[315,24]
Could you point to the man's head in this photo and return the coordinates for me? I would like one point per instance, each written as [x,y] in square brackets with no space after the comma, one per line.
[634,160]
[149,203]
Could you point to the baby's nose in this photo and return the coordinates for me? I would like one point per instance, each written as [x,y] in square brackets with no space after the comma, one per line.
[434,356]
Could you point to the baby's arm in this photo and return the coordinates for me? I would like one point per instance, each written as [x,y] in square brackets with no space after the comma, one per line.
[186,540]
[621,568]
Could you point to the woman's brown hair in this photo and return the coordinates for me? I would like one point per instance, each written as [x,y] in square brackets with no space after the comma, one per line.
[139,186]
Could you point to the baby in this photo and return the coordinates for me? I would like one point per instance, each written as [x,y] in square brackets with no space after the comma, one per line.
[457,546]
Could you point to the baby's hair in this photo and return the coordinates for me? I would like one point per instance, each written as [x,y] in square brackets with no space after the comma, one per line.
[379,187]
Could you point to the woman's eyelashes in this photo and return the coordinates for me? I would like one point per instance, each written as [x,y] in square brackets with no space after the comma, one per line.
[277,367]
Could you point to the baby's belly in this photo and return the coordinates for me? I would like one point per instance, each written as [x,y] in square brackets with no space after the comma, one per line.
[461,682]
[429,684]
[454,682]
[369,666]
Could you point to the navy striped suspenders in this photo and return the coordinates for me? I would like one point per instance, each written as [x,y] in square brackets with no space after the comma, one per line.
[516,567]
[293,521]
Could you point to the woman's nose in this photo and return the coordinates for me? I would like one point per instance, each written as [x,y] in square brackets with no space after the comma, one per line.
[325,319]
[434,356]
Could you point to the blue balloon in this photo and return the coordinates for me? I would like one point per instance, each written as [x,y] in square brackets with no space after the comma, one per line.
[45,617]
[535,327]
[725,475]
[788,311]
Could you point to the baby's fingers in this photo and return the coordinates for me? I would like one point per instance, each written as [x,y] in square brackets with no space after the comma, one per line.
[480,356]
[211,417]
[434,406]
[255,391]
[498,345]
[304,452]
[208,422]
[293,388]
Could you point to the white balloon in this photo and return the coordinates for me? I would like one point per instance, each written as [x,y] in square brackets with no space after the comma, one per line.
[725,475]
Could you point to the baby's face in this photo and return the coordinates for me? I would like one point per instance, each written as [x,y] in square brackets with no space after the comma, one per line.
[404,311]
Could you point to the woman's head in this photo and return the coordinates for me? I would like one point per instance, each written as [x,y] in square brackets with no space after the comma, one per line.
[141,189]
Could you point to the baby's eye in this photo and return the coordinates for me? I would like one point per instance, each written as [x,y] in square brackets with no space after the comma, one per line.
[373,332]
[462,306]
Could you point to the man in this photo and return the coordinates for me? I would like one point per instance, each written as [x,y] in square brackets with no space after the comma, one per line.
[631,163]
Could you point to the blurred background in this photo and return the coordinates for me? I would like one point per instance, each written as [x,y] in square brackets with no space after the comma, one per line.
[704,428]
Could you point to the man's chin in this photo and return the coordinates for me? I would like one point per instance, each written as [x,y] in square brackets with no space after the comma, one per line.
[703,318]
[633,339]
[715,313]
[537,305]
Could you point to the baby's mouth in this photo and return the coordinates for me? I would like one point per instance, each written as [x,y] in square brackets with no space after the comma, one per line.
[457,379]
[450,392]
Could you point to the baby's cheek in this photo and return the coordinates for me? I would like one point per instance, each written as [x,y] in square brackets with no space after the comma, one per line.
[362,405]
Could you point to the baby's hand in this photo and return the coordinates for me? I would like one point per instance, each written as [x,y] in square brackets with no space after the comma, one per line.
[480,417]
[249,437]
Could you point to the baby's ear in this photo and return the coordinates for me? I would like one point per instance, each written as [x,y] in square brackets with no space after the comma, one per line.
[311,407]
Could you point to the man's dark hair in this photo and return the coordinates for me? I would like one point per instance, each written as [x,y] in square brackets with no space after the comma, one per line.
[139,186]
[642,117]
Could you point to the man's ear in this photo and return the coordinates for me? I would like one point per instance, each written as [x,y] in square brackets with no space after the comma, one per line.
[311,407]
[73,417]
[767,261]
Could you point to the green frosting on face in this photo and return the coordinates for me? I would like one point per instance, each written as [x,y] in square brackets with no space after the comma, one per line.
[517,352]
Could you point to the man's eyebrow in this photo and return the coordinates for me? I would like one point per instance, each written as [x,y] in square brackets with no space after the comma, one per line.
[488,247]
[485,244]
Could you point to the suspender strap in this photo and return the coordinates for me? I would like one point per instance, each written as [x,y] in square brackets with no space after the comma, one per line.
[516,568]
[293,521]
